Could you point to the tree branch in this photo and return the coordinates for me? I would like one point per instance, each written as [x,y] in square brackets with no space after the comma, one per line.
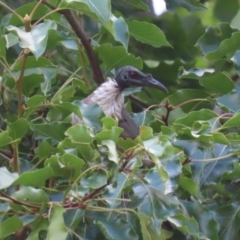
[86,42]
[13,200]
[169,108]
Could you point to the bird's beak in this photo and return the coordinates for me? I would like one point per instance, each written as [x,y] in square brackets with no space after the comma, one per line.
[149,81]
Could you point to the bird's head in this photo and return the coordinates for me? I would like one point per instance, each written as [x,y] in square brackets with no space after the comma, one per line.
[131,77]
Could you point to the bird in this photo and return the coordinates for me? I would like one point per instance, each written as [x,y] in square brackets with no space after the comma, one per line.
[109,96]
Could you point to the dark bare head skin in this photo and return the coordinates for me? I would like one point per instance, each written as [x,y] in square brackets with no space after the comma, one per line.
[132,77]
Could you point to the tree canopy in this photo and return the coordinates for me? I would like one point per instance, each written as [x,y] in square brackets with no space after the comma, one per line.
[179,179]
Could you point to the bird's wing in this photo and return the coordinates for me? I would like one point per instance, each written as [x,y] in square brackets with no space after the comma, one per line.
[130,128]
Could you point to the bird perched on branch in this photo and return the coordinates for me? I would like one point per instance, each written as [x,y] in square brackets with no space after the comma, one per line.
[109,96]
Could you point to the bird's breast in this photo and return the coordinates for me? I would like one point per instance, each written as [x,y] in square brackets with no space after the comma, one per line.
[110,98]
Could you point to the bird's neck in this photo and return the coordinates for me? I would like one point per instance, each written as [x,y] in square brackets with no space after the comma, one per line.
[110,98]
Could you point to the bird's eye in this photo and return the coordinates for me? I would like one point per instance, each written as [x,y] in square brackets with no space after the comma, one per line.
[125,77]
[133,74]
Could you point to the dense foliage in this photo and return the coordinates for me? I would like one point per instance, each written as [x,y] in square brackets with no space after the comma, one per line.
[178,180]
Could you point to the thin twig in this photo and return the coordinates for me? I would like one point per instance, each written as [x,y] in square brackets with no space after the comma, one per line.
[15,158]
[126,161]
[93,193]
[186,161]
[19,86]
[35,9]
[13,200]
[11,10]
[169,108]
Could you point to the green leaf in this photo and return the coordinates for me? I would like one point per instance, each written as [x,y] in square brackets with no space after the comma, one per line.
[68,165]
[184,95]
[205,217]
[148,232]
[186,225]
[36,39]
[217,82]
[35,178]
[117,228]
[233,121]
[236,60]
[220,138]
[117,57]
[41,70]
[53,130]
[189,185]
[6,178]
[230,101]
[152,202]
[18,129]
[137,4]
[10,226]
[169,132]
[114,191]
[91,114]
[33,103]
[86,151]
[41,224]
[225,12]
[190,5]
[147,33]
[79,134]
[202,115]
[5,139]
[36,100]
[10,39]
[57,228]
[73,217]
[100,11]
[146,133]
[24,9]
[94,180]
[110,130]
[112,134]
[3,46]
[29,195]
[219,42]
[229,229]
[44,150]
[69,108]
[159,147]
[127,144]
[112,150]
[206,172]
[72,163]
[120,32]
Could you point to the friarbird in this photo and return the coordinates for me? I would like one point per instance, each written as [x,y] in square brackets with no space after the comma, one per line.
[109,96]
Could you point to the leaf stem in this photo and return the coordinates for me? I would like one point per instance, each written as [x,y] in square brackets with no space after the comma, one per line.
[11,10]
[15,159]
[84,72]
[35,9]
[191,100]
[19,86]
[214,159]
[13,200]
[28,27]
